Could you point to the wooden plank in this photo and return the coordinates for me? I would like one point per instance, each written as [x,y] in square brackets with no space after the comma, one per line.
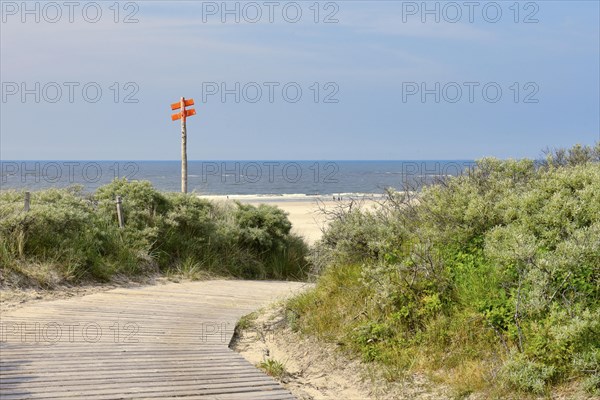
[181,347]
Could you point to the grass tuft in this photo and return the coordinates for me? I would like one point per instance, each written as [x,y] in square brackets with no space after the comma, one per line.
[274,368]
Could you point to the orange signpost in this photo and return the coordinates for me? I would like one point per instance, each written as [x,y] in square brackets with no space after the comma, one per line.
[187,103]
[182,115]
[178,115]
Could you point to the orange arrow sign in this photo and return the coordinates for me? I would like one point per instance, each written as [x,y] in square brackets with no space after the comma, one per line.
[188,102]
[188,113]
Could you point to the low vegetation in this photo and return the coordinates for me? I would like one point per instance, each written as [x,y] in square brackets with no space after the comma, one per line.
[272,367]
[70,236]
[489,281]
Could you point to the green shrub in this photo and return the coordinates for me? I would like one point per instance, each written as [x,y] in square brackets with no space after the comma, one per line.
[143,211]
[263,228]
[526,375]
[185,230]
[60,228]
[77,236]
[509,250]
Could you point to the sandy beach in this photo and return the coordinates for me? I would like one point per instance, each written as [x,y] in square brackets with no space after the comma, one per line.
[303,211]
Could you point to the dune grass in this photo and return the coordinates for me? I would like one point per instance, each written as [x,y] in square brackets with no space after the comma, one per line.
[70,236]
[489,281]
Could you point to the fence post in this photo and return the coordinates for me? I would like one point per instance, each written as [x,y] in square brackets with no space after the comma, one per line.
[120,212]
[27,201]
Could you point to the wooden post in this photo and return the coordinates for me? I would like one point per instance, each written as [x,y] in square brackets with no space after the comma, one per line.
[183,114]
[27,201]
[120,212]
[183,149]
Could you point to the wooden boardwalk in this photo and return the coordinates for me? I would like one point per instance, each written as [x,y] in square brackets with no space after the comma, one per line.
[156,342]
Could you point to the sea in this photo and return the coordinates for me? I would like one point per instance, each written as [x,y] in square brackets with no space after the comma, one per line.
[235,178]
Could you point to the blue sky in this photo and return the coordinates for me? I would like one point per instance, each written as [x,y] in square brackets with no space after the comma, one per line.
[369,61]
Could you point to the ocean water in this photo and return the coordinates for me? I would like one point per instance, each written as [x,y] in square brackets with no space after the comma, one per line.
[234,177]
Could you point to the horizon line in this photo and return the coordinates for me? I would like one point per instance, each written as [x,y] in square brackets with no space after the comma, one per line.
[243,160]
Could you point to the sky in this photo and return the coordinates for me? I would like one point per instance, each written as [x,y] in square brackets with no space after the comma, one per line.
[305,80]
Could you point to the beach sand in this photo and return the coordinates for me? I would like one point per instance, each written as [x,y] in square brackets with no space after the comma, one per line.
[305,218]
[303,211]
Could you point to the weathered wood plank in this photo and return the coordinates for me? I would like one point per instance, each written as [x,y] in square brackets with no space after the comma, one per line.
[155,342]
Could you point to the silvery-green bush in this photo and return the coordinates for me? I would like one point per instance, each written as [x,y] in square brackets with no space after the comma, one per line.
[510,248]
[76,235]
